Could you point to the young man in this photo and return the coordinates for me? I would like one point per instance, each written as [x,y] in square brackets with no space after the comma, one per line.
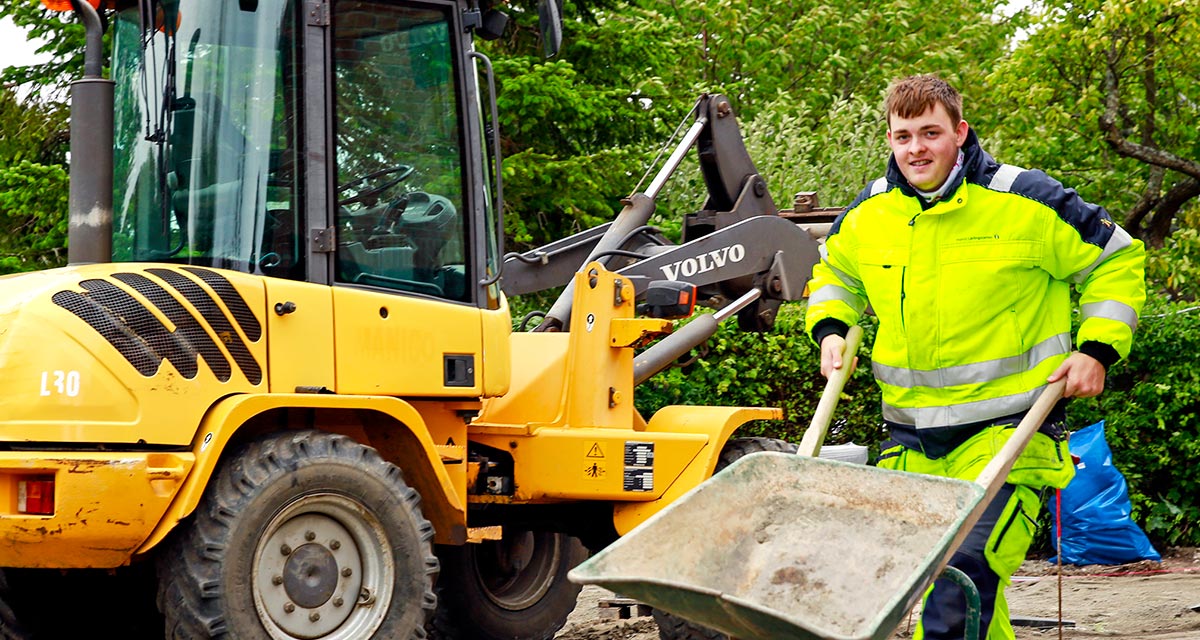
[968,265]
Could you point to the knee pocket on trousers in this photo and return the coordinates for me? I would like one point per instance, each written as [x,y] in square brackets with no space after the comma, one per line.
[1045,462]
[1010,540]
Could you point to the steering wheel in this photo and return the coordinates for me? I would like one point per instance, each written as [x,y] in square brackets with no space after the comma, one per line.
[369,196]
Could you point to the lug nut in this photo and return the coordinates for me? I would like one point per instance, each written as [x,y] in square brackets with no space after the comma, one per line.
[289,607]
[310,536]
[337,602]
[314,616]
[346,572]
[277,580]
[335,545]
[285,550]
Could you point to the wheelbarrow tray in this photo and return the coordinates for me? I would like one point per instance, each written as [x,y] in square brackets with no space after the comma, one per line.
[810,548]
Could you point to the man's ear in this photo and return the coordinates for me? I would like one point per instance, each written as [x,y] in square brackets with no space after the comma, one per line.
[960,132]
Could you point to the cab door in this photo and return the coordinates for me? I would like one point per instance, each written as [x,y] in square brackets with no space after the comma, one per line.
[406,261]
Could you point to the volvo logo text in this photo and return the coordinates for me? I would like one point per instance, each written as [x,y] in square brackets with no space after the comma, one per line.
[704,262]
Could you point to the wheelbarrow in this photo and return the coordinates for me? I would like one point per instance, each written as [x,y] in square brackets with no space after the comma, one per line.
[793,546]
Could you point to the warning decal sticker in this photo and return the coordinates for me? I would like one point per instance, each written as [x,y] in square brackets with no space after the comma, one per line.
[639,466]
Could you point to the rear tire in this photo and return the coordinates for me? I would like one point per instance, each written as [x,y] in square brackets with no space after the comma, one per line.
[516,587]
[672,627]
[301,534]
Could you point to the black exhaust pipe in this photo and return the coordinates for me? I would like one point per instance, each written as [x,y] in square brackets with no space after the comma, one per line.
[89,231]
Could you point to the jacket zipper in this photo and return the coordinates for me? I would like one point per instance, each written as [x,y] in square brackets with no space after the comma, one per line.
[904,272]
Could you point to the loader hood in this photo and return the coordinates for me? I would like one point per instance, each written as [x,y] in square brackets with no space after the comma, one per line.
[88,352]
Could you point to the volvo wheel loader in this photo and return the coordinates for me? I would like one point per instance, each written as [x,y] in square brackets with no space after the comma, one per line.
[277,393]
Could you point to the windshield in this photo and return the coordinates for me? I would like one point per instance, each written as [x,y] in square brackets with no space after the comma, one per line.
[205,145]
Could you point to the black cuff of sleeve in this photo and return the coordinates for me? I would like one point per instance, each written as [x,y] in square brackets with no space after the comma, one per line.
[827,327]
[1104,353]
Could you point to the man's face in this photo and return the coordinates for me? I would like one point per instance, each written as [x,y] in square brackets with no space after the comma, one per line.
[926,146]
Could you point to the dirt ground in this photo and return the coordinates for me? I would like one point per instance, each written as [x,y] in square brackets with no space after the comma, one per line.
[1139,601]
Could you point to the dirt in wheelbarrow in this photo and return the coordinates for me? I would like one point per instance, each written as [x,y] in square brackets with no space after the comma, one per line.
[1138,601]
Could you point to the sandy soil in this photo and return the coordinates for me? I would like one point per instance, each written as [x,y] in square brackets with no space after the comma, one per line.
[1140,601]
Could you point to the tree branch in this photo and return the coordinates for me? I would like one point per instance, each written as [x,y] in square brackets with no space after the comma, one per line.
[1120,144]
[1164,213]
[1149,199]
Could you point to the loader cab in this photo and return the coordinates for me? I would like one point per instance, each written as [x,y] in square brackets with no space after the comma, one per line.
[336,142]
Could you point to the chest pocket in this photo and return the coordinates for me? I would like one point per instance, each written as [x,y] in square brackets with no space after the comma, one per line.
[877,257]
[1026,252]
[882,271]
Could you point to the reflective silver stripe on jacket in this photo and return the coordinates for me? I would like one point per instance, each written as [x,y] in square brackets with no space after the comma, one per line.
[1111,310]
[1119,240]
[849,281]
[965,413]
[974,372]
[879,186]
[1005,176]
[834,292]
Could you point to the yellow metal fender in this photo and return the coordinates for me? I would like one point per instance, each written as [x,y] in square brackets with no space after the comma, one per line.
[718,423]
[408,447]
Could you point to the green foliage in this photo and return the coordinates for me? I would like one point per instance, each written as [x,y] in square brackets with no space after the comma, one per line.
[33,184]
[32,129]
[33,198]
[1174,270]
[777,369]
[1136,57]
[64,38]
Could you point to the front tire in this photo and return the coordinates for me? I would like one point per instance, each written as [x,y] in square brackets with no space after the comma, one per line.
[672,627]
[505,589]
[301,534]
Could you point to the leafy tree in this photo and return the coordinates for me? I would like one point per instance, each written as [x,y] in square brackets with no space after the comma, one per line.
[63,35]
[33,229]
[33,183]
[1109,95]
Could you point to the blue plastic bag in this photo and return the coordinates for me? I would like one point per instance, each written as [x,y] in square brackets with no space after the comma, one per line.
[1096,527]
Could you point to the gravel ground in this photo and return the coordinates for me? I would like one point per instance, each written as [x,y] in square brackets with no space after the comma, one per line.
[1139,601]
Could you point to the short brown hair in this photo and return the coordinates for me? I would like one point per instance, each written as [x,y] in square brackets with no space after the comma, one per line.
[912,96]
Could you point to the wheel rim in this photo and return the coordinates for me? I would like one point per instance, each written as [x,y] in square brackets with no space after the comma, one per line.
[517,571]
[323,568]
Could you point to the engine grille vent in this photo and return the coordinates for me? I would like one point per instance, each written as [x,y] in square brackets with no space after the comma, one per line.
[129,325]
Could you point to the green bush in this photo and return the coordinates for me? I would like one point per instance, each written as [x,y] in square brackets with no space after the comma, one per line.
[777,369]
[33,221]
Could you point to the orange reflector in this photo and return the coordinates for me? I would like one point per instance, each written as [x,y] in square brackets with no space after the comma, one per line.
[35,495]
[65,5]
[687,298]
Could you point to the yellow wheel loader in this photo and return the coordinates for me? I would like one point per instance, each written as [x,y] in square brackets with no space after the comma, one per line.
[277,393]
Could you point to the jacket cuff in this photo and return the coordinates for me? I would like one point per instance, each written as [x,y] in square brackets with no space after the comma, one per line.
[1104,353]
[830,326]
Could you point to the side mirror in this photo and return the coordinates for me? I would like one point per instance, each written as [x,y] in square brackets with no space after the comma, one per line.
[550,24]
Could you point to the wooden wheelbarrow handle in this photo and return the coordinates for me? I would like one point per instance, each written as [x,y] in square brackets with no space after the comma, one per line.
[814,437]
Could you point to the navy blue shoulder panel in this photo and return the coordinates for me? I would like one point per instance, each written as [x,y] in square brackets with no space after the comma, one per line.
[864,195]
[1092,222]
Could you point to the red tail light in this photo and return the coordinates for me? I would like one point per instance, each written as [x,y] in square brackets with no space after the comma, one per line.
[35,495]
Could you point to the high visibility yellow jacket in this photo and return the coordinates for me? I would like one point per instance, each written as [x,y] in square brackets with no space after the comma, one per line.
[972,292]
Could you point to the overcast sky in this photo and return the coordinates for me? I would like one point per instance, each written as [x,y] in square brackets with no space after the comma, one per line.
[16,50]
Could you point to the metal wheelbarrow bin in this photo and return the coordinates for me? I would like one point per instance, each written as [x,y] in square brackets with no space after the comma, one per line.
[784,546]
